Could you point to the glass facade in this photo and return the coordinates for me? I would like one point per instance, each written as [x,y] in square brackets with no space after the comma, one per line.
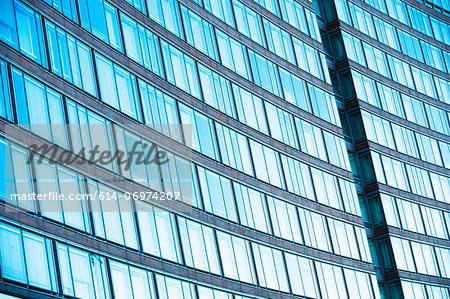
[307,149]
[389,65]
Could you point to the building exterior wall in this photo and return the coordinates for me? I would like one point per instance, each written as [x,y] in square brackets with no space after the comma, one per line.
[280,153]
[390,68]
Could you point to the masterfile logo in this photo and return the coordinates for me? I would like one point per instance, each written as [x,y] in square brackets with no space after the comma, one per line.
[51,167]
[96,156]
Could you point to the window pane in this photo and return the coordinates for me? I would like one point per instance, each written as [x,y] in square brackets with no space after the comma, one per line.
[117,87]
[101,19]
[158,232]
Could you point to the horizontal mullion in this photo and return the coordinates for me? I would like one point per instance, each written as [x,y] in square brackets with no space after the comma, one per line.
[406,234]
[274,19]
[411,61]
[389,82]
[400,25]
[406,194]
[131,257]
[97,172]
[367,144]
[145,74]
[396,119]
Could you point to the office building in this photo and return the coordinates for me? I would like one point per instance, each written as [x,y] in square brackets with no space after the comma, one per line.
[306,149]
[391,70]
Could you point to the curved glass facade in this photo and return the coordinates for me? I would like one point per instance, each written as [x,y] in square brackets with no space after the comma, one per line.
[224,149]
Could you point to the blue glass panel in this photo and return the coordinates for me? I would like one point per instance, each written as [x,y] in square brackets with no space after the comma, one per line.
[5,100]
[20,27]
[101,19]
[117,87]
[38,105]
